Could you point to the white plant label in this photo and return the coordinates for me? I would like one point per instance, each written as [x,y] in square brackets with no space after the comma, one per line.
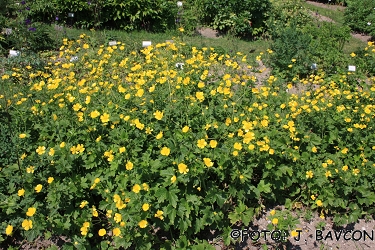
[146,43]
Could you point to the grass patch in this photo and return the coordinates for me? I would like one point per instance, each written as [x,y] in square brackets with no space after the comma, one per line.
[336,15]
[226,44]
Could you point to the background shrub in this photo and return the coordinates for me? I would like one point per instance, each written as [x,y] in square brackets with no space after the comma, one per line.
[360,16]
[240,17]
[295,50]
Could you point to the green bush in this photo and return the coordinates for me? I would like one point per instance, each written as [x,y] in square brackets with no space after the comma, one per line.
[128,15]
[360,16]
[284,14]
[240,17]
[291,53]
[295,50]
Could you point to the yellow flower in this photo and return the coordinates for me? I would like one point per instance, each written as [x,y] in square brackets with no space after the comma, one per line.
[104,118]
[181,29]
[345,150]
[160,135]
[208,162]
[309,174]
[182,168]
[41,150]
[4,77]
[356,171]
[328,174]
[201,143]
[122,150]
[314,149]
[102,232]
[129,165]
[97,180]
[116,231]
[313,197]
[142,224]
[51,152]
[158,115]
[159,214]
[62,144]
[117,217]
[319,203]
[185,129]
[9,230]
[272,212]
[94,212]
[237,146]
[136,188]
[83,204]
[145,187]
[94,114]
[352,54]
[165,151]
[21,192]
[294,233]
[86,46]
[345,168]
[38,188]
[22,136]
[199,96]
[27,224]
[213,143]
[30,170]
[31,211]
[84,231]
[145,207]
[173,178]
[275,221]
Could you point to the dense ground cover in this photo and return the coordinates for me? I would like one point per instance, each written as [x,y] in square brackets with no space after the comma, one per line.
[154,146]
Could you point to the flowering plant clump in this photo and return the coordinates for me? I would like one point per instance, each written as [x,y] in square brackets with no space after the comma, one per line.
[137,145]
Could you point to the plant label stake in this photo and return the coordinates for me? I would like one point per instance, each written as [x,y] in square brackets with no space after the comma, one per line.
[146,44]
[314,66]
[71,16]
[13,53]
[74,59]
[7,31]
[112,43]
[351,68]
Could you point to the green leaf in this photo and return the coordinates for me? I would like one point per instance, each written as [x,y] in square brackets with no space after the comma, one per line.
[264,188]
[162,194]
[172,197]
[171,213]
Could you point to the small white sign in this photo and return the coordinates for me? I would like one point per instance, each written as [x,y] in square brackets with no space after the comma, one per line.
[70,14]
[146,43]
[7,31]
[180,65]
[74,58]
[314,66]
[13,53]
[351,68]
[112,43]
[179,4]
